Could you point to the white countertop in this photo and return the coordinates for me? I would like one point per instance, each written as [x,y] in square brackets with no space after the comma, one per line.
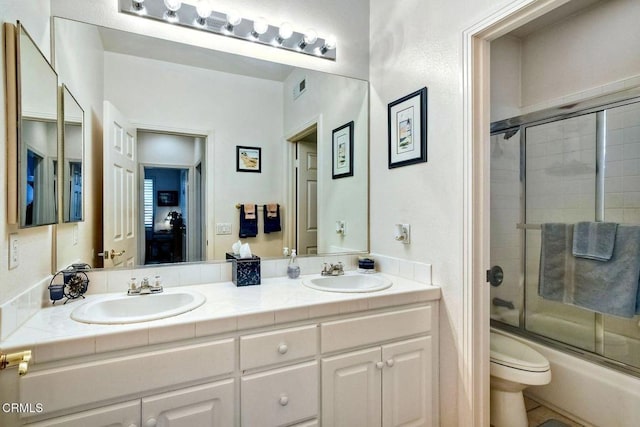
[227,308]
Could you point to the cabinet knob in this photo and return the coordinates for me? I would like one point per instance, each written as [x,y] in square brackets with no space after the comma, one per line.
[284,400]
[283,348]
[379,365]
[151,422]
[133,425]
[390,362]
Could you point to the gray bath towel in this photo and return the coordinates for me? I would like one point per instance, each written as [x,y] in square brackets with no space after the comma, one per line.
[594,240]
[609,287]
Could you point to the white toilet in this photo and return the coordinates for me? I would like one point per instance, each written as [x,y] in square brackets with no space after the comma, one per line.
[514,367]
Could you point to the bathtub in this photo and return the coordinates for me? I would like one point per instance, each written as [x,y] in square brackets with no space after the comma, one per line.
[591,394]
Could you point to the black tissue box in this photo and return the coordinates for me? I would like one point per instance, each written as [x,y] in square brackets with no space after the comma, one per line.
[246,271]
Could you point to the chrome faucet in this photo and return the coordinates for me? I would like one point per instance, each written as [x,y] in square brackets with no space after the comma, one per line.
[145,287]
[332,269]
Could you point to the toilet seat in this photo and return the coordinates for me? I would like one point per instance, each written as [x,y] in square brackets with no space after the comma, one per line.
[513,354]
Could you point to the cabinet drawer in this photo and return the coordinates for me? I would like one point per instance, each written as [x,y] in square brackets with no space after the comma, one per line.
[365,330]
[123,414]
[280,396]
[278,346]
[102,380]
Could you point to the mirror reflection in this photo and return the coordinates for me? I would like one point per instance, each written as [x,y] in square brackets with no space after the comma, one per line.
[38,135]
[176,122]
[73,146]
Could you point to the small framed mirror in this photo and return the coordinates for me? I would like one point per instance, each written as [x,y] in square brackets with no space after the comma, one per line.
[73,157]
[32,103]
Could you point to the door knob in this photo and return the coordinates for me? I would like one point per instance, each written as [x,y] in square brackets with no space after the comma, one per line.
[115,254]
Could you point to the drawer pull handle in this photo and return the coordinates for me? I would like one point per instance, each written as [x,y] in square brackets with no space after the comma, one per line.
[284,400]
[151,422]
[283,348]
[390,362]
[379,365]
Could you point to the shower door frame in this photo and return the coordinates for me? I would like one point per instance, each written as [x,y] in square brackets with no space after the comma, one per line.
[599,107]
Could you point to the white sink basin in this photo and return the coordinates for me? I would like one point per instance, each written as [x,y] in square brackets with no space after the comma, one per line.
[349,283]
[140,308]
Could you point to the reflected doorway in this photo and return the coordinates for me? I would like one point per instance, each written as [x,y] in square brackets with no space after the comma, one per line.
[306,191]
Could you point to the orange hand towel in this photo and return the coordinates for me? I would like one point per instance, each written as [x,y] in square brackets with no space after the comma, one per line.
[272,210]
[250,211]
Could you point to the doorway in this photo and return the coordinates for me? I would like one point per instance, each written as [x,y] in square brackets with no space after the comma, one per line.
[305,188]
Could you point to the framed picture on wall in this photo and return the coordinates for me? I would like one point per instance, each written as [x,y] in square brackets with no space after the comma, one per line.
[408,129]
[248,159]
[167,198]
[342,152]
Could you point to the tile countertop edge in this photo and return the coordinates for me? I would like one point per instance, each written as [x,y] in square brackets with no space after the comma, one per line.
[275,301]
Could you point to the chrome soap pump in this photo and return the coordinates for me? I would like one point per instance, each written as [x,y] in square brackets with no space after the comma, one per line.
[293,269]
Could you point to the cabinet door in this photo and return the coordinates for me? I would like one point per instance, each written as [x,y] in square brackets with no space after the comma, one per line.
[208,405]
[351,385]
[121,415]
[407,383]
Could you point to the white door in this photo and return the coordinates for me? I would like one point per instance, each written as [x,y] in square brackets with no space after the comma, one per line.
[307,198]
[351,389]
[208,405]
[120,203]
[407,384]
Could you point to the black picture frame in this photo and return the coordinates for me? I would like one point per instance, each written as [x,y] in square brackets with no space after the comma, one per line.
[407,127]
[168,198]
[342,151]
[248,159]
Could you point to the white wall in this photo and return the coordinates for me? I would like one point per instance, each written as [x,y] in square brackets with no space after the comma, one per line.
[506,53]
[80,65]
[238,110]
[344,199]
[34,15]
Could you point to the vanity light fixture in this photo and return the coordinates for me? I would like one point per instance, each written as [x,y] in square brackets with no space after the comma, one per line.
[203,9]
[200,15]
[308,38]
[172,6]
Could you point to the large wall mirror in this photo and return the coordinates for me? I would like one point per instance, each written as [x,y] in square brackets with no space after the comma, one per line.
[170,123]
[36,98]
[73,156]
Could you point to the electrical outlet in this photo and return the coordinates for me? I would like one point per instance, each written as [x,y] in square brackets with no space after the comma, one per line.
[14,259]
[223,228]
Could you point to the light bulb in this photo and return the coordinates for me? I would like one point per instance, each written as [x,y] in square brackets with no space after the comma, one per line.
[260,26]
[310,36]
[138,5]
[172,5]
[233,18]
[329,44]
[204,9]
[284,32]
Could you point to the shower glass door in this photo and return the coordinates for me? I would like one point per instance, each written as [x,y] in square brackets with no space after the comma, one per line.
[560,177]
[622,205]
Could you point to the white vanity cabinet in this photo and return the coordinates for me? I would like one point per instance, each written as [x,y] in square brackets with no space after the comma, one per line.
[125,414]
[388,385]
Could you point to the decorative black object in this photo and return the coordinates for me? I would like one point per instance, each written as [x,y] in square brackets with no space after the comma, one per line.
[70,283]
[167,198]
[408,129]
[246,271]
[248,159]
[342,151]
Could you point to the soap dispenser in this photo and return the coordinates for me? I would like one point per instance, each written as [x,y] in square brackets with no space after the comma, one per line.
[293,269]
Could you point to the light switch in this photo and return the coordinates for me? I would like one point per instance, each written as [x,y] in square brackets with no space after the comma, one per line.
[223,228]
[14,259]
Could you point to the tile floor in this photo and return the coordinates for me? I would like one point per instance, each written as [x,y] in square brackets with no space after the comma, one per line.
[537,414]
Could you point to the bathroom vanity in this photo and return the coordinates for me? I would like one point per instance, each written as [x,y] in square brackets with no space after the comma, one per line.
[271,355]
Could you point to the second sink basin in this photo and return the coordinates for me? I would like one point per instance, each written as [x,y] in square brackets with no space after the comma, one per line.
[349,283]
[140,308]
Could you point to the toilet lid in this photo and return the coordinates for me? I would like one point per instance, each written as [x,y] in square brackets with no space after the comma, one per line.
[509,352]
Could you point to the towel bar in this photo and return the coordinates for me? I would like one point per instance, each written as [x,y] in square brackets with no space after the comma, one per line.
[257,206]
